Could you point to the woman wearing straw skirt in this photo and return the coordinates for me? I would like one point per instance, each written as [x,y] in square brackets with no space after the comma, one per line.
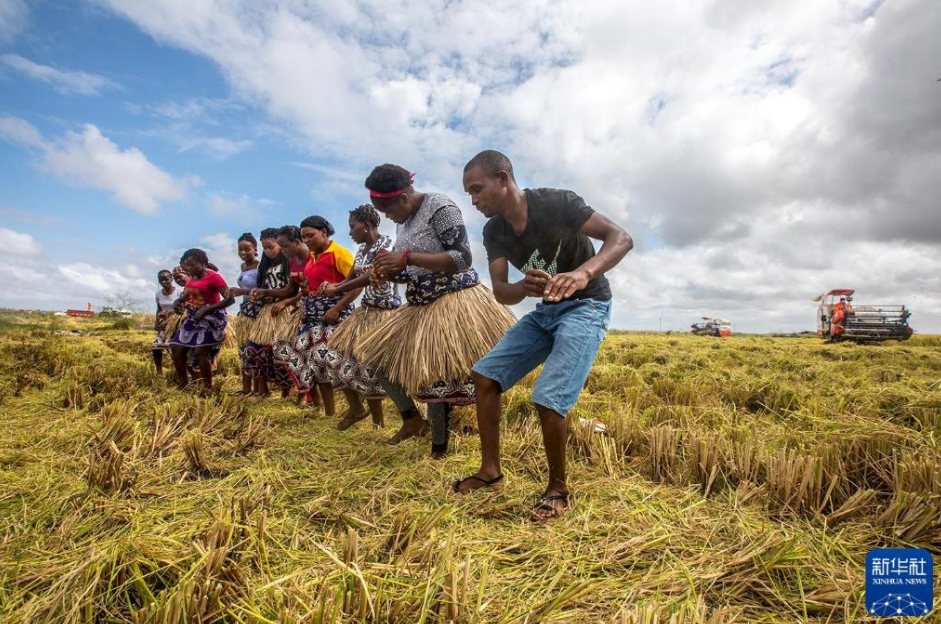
[274,273]
[376,305]
[165,297]
[281,320]
[427,348]
[248,309]
[202,331]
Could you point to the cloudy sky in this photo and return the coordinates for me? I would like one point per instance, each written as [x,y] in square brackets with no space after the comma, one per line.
[759,152]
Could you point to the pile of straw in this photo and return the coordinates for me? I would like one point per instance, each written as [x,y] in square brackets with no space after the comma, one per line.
[441,341]
[362,320]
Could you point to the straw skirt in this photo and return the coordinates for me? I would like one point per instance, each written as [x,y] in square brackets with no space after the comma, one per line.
[350,371]
[429,350]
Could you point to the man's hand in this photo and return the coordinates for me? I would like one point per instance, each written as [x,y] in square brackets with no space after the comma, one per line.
[255,294]
[535,282]
[200,313]
[389,263]
[564,285]
[332,315]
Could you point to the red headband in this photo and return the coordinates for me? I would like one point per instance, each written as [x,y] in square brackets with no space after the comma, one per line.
[391,194]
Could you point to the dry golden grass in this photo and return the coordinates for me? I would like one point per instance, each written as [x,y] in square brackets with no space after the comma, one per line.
[739,480]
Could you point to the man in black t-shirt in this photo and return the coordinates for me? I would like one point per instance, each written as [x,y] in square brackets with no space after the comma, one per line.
[545,233]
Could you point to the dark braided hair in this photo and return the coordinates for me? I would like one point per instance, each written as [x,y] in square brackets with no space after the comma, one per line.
[388,178]
[366,213]
[248,236]
[319,223]
[196,254]
[292,232]
[266,264]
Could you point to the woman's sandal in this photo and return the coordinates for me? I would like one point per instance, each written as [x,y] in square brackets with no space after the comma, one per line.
[544,504]
[495,484]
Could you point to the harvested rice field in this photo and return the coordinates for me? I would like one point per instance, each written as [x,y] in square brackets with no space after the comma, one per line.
[738,480]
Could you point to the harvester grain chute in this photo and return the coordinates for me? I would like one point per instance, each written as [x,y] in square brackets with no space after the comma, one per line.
[838,318]
[712,327]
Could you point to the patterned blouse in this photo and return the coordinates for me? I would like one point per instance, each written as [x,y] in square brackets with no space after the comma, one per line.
[436,226]
[385,296]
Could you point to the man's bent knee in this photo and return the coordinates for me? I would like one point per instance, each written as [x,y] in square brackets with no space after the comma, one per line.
[485,385]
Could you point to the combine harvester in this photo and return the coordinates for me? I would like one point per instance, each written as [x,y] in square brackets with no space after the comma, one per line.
[838,319]
[712,327]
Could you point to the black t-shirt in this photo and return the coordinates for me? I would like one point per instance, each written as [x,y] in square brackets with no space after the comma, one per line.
[551,241]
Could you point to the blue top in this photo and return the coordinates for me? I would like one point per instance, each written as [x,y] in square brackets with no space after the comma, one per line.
[248,279]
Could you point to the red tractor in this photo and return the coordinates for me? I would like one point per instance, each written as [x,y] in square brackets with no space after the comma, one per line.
[712,327]
[838,319]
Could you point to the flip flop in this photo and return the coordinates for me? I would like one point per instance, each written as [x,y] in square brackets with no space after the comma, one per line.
[495,484]
[545,504]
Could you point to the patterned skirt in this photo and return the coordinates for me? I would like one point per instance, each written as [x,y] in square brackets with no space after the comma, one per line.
[310,360]
[244,323]
[353,374]
[209,331]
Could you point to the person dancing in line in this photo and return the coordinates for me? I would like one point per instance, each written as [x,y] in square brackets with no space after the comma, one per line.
[248,310]
[426,349]
[314,362]
[165,298]
[546,234]
[376,305]
[180,276]
[202,331]
[274,273]
[284,338]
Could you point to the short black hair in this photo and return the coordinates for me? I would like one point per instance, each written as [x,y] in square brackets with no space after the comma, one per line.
[492,162]
[196,254]
[292,232]
[248,236]
[269,233]
[366,213]
[388,178]
[318,222]
[162,271]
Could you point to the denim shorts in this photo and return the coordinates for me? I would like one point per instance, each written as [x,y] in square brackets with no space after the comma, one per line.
[565,336]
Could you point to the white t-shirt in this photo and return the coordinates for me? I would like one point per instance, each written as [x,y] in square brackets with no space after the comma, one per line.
[165,302]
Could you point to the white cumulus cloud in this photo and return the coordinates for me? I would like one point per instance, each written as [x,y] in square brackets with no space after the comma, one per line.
[88,159]
[17,243]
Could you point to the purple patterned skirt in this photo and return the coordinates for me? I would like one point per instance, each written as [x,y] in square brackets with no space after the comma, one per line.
[209,331]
